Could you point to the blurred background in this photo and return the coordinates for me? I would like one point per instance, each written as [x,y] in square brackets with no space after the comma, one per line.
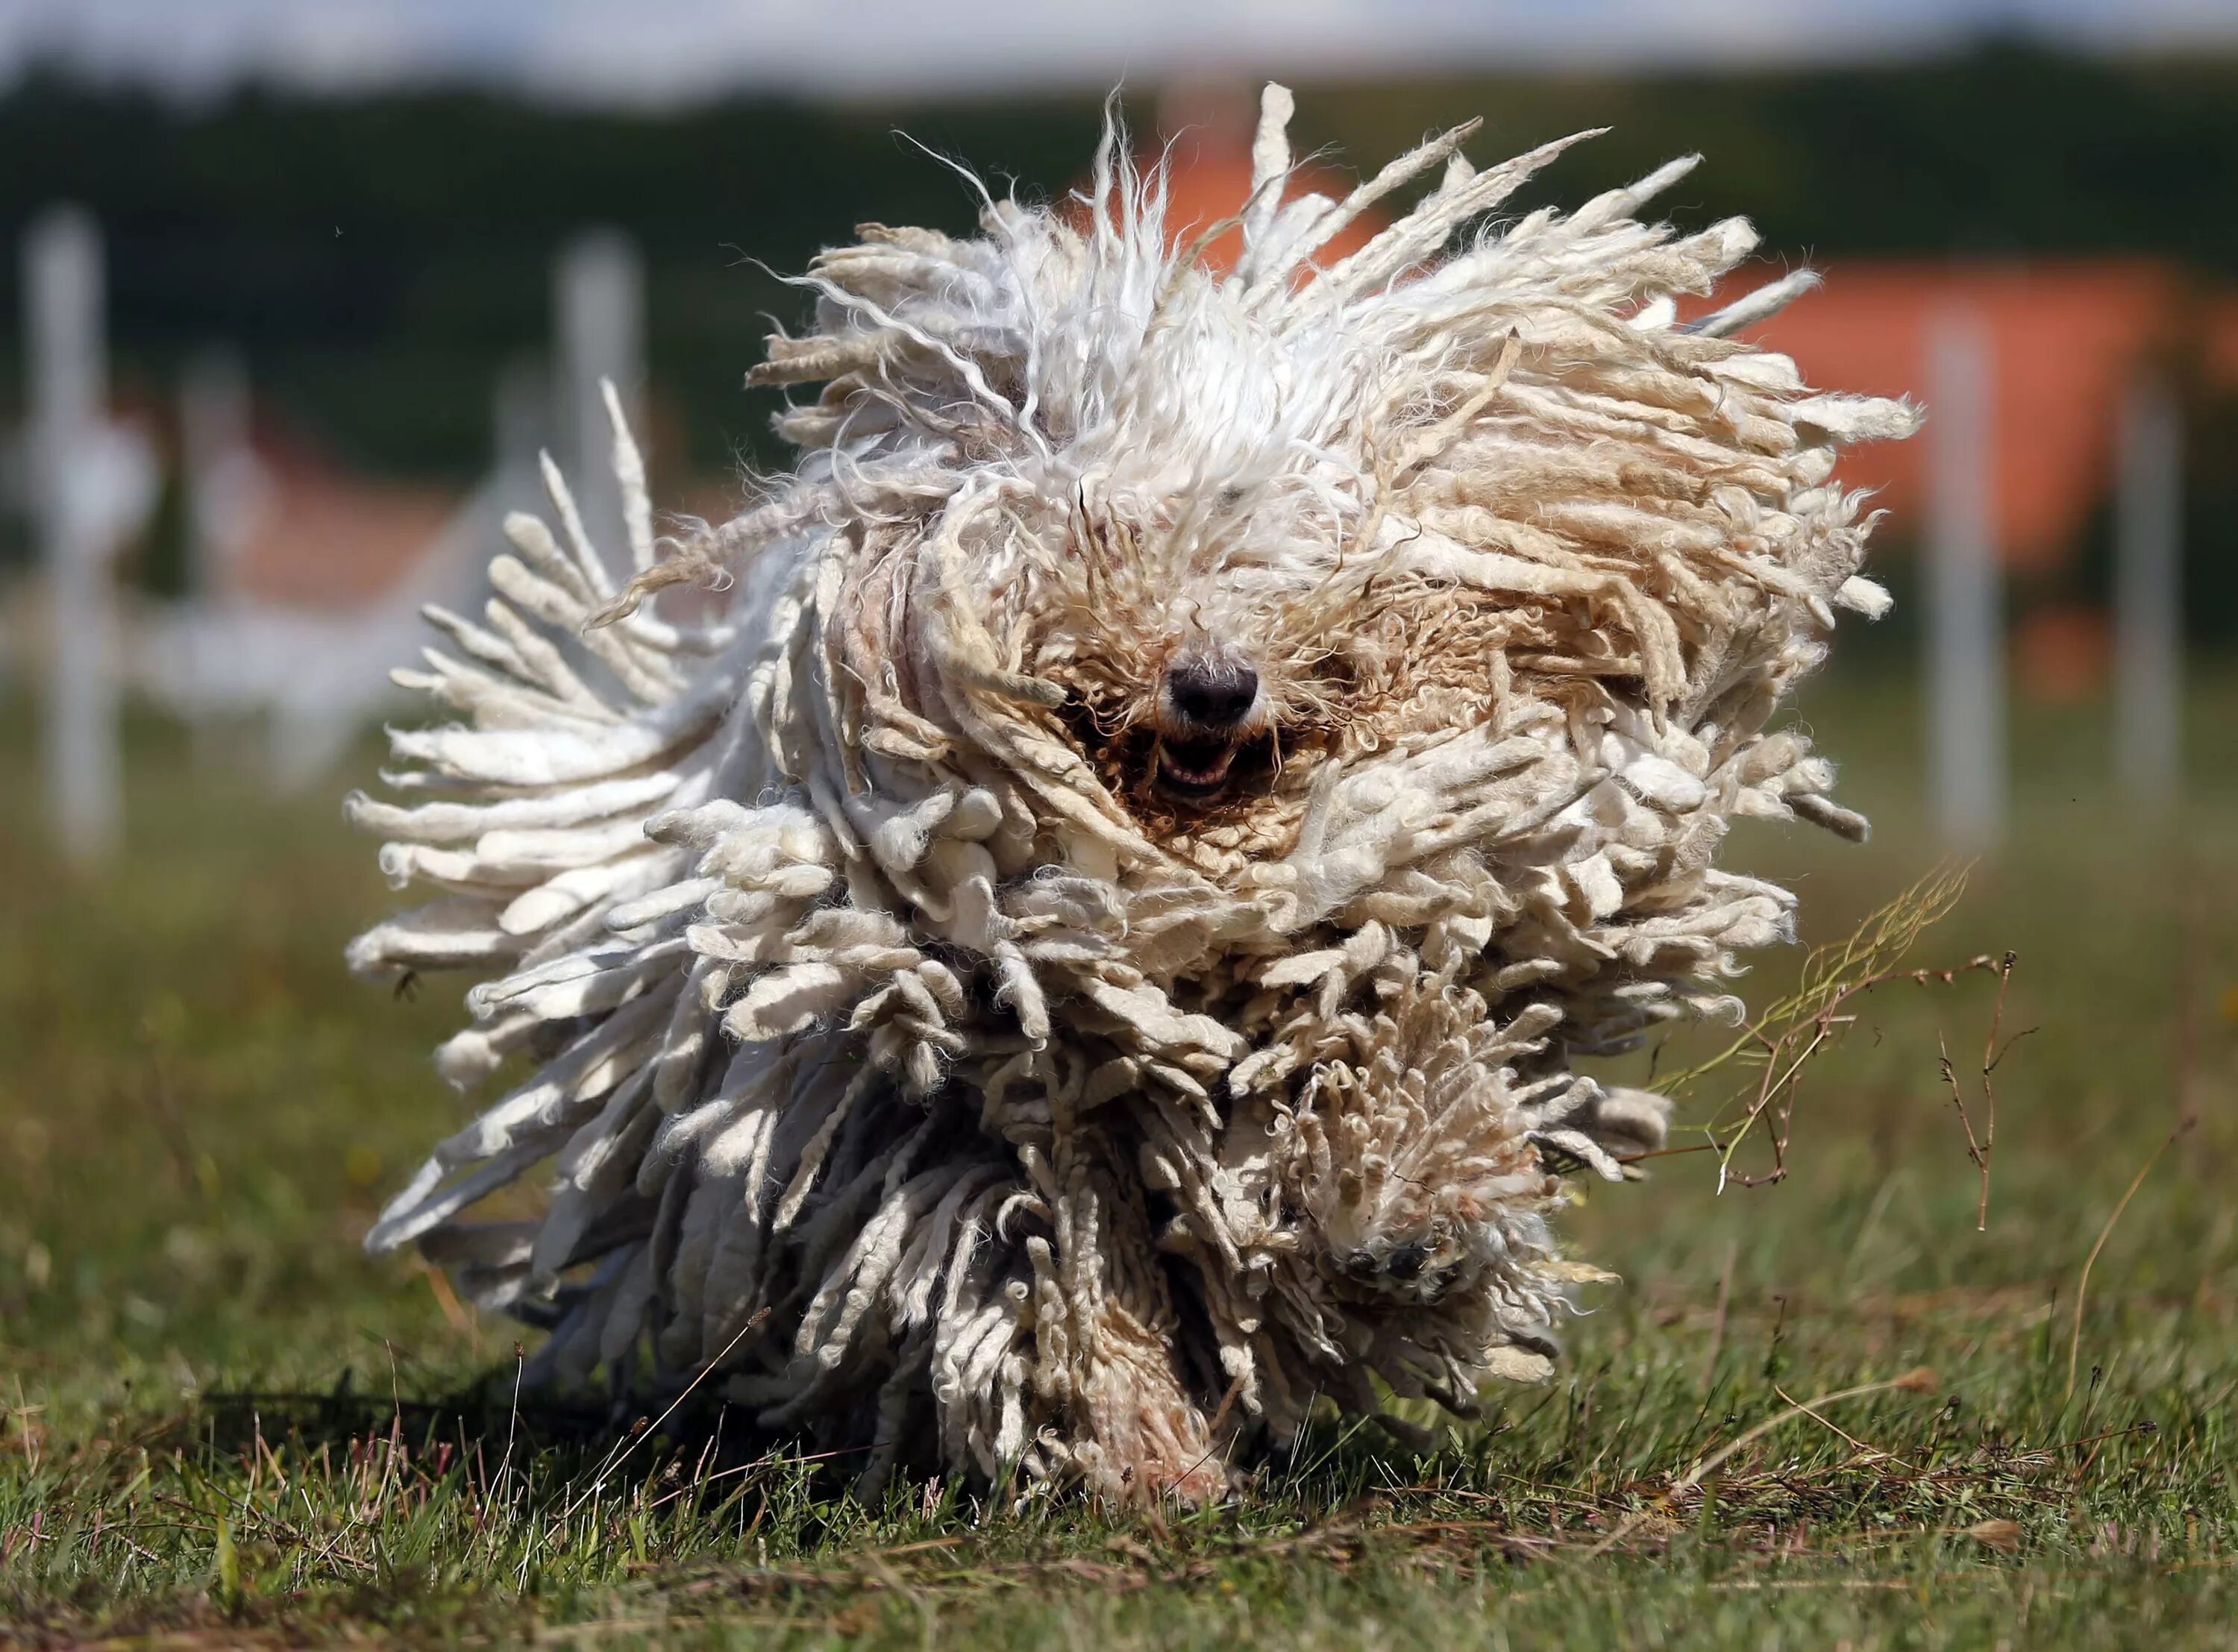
[295,293]
[328,276]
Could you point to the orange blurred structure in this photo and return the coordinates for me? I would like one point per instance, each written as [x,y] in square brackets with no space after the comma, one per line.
[324,540]
[2064,341]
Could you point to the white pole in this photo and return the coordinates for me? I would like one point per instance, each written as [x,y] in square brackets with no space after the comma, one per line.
[64,346]
[599,300]
[2149,598]
[1966,646]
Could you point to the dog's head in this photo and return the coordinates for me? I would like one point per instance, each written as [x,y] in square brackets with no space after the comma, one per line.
[1214,654]
[1170,541]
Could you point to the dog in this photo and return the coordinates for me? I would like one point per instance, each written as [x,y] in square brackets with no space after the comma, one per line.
[1083,958]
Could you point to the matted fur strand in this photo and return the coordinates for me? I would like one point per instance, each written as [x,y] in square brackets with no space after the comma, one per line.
[949,1042]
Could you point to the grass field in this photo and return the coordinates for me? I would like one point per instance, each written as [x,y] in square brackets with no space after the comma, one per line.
[224,1425]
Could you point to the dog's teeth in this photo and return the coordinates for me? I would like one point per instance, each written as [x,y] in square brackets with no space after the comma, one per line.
[1207,774]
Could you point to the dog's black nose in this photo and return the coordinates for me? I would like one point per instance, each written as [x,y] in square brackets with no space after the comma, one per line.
[1212,691]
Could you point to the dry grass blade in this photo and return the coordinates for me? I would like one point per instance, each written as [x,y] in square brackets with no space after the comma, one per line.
[1839,968]
[630,1441]
[2082,1285]
[1919,1380]
[1796,1028]
[1865,1448]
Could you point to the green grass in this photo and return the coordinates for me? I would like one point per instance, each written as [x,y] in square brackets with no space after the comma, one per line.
[224,1425]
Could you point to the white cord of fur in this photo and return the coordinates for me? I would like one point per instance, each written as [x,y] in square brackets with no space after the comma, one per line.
[856,978]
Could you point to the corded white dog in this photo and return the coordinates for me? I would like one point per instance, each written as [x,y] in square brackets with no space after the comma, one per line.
[1086,956]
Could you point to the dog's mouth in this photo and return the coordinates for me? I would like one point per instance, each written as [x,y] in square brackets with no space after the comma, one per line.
[1182,766]
[1196,770]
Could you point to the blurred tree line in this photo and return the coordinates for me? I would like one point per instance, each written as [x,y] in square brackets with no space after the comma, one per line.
[381,259]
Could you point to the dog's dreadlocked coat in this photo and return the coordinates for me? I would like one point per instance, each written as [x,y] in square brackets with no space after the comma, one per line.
[1086,956]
